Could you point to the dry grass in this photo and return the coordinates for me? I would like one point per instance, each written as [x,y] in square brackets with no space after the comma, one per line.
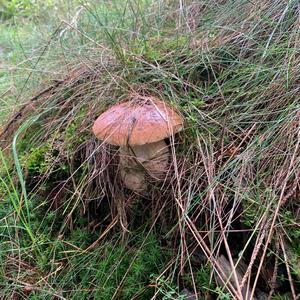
[231,196]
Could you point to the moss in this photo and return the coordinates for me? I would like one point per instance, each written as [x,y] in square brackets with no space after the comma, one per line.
[114,269]
[167,288]
[202,279]
[73,136]
[35,160]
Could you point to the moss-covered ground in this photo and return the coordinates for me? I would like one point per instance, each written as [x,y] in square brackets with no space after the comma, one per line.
[225,222]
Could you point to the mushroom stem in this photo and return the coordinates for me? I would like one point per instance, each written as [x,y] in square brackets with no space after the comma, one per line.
[140,160]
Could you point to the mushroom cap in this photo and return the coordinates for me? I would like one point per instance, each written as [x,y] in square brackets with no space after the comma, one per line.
[140,121]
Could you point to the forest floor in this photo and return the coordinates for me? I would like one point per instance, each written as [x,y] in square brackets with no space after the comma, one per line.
[225,221]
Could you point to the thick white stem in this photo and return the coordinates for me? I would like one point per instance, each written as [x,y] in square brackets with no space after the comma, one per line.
[137,162]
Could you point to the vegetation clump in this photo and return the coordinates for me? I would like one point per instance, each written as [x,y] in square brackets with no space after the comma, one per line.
[224,222]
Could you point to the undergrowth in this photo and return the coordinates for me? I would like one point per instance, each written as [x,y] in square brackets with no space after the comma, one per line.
[225,222]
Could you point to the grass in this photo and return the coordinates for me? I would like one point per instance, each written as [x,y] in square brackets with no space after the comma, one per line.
[224,224]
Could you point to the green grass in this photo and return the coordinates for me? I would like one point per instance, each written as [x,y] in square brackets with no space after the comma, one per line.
[69,228]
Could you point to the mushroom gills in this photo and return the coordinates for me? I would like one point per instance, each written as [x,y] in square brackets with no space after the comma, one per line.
[138,161]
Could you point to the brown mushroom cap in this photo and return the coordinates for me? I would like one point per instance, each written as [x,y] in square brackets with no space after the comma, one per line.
[137,122]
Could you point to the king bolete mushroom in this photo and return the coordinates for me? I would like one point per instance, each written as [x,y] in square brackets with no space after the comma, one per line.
[139,127]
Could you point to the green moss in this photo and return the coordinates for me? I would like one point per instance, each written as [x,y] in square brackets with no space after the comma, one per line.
[73,135]
[114,269]
[35,160]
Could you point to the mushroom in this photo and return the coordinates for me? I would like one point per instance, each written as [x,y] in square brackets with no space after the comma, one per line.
[139,127]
